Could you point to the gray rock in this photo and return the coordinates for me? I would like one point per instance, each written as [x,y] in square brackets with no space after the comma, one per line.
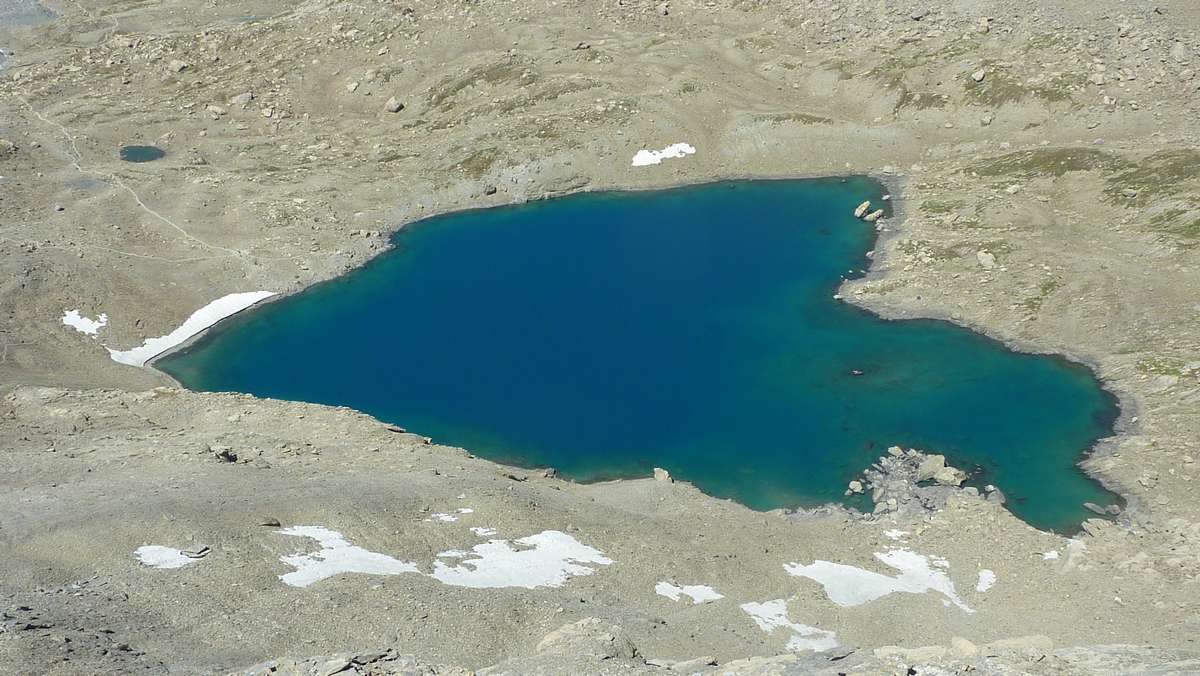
[930,467]
[198,552]
[661,474]
[589,636]
[177,66]
[224,453]
[332,666]
[1179,52]
[242,99]
[950,476]
[691,666]
[394,105]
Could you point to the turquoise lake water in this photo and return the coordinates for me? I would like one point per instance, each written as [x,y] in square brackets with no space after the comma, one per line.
[695,329]
[141,153]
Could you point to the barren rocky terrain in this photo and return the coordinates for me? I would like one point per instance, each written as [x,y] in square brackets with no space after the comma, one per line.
[1045,164]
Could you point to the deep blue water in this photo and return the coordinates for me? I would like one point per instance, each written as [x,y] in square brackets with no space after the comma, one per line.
[694,329]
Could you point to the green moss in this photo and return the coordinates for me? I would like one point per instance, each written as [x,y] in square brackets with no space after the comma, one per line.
[1160,366]
[1169,172]
[478,162]
[919,100]
[1049,162]
[843,67]
[497,73]
[796,117]
[1002,85]
[1181,224]
[923,248]
[1047,287]
[934,207]
[754,43]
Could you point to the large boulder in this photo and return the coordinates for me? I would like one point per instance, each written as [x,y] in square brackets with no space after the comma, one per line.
[589,637]
[930,466]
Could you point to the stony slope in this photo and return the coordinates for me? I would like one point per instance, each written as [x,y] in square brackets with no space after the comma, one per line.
[1045,160]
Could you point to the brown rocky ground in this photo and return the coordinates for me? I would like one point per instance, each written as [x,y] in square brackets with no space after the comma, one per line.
[1047,165]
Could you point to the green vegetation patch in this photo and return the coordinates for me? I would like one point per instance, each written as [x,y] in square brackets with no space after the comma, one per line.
[491,73]
[1169,172]
[936,207]
[477,164]
[1047,287]
[1054,162]
[794,117]
[1161,366]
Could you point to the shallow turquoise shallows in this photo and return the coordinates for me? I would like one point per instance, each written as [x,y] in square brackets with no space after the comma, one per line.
[694,329]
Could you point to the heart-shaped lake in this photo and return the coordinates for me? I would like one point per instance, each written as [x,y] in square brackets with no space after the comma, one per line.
[694,329]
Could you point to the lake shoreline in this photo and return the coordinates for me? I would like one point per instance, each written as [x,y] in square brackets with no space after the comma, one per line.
[887,229]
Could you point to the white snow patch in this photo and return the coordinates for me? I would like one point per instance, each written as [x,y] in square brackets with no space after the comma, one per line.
[82,324]
[454,554]
[987,579]
[894,534]
[200,320]
[465,510]
[440,516]
[699,593]
[1075,551]
[645,158]
[335,557]
[554,557]
[772,615]
[483,532]
[1050,556]
[157,556]
[851,586]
